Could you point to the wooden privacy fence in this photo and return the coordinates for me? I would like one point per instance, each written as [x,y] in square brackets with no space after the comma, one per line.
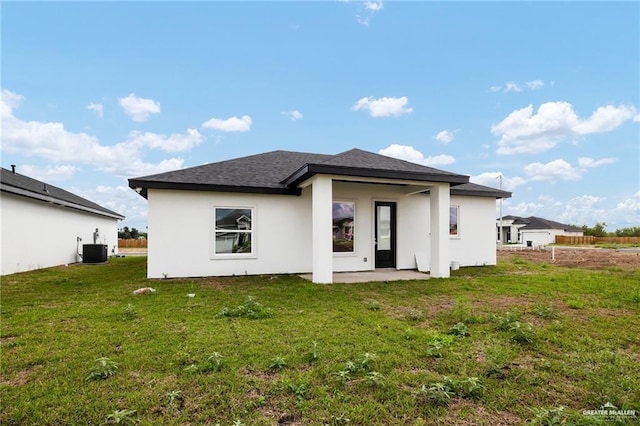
[574,240]
[131,243]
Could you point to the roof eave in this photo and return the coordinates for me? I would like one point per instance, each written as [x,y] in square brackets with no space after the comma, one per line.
[309,170]
[493,194]
[142,187]
[53,200]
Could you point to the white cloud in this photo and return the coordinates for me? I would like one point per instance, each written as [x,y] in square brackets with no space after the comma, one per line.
[605,119]
[293,114]
[492,179]
[534,84]
[522,131]
[408,153]
[561,170]
[8,102]
[120,199]
[512,86]
[97,108]
[552,171]
[586,162]
[54,143]
[373,6]
[231,124]
[174,143]
[383,107]
[49,173]
[446,136]
[139,109]
[367,10]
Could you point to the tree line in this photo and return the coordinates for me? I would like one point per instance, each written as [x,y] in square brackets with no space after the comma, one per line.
[599,230]
[128,234]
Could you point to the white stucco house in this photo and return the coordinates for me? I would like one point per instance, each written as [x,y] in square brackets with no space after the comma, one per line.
[43,225]
[295,212]
[534,231]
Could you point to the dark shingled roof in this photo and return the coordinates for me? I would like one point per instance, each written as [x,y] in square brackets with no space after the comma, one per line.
[280,172]
[25,186]
[479,190]
[533,222]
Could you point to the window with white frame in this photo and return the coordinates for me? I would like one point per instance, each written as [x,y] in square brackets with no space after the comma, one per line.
[454,221]
[343,226]
[233,230]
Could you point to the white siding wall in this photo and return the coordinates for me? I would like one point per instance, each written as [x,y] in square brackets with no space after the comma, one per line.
[537,237]
[180,225]
[476,244]
[39,235]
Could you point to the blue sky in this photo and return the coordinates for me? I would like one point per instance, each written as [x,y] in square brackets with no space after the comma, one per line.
[545,94]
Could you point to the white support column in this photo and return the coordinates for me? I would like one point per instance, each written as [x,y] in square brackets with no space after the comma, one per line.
[439,208]
[321,206]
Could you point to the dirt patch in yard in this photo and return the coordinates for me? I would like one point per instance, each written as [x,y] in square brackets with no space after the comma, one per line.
[463,412]
[577,257]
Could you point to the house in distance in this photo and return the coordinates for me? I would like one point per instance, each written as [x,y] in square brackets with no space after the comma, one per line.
[43,225]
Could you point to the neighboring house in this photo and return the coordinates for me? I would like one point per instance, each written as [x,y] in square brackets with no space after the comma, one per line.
[354,211]
[43,225]
[534,231]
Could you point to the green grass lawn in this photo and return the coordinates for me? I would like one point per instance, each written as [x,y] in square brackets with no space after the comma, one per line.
[509,344]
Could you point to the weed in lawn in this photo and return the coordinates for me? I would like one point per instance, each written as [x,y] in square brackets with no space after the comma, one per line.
[213,363]
[437,393]
[129,312]
[340,420]
[352,367]
[121,417]
[374,378]
[102,368]
[175,399]
[299,390]
[459,329]
[249,309]
[521,332]
[471,387]
[434,349]
[409,334]
[343,376]
[277,363]
[549,416]
[503,322]
[191,369]
[367,360]
[313,355]
[546,312]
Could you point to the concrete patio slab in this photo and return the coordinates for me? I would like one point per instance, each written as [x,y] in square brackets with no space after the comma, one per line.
[377,275]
